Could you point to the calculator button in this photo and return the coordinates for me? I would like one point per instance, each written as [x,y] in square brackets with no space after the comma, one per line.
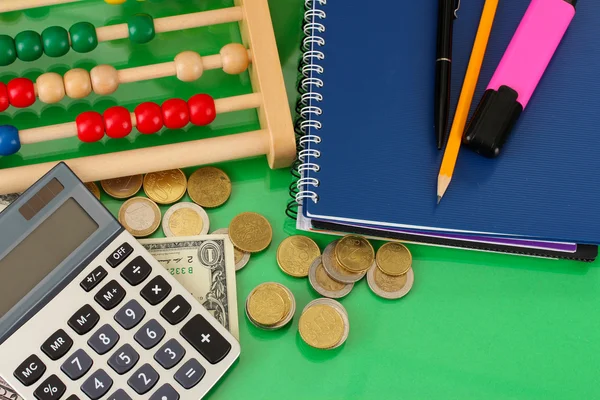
[170,354]
[150,334]
[119,255]
[119,395]
[130,315]
[205,338]
[124,359]
[190,374]
[110,295]
[165,392]
[93,279]
[73,397]
[144,379]
[57,345]
[30,371]
[136,271]
[51,389]
[176,310]
[84,320]
[97,385]
[104,339]
[77,365]
[156,290]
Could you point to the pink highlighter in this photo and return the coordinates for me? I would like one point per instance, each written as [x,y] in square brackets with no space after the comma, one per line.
[518,74]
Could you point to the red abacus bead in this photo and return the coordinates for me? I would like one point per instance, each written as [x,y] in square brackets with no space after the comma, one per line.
[4,103]
[202,109]
[148,118]
[21,92]
[117,121]
[90,126]
[176,113]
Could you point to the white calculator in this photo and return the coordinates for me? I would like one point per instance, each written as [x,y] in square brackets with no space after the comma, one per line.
[87,313]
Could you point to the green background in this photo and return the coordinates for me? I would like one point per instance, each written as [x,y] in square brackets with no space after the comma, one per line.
[474,326]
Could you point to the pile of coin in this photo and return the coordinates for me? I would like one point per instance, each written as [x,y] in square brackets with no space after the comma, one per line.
[392,277]
[324,324]
[270,306]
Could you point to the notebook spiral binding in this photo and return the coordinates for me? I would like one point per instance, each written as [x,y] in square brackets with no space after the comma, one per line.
[307,108]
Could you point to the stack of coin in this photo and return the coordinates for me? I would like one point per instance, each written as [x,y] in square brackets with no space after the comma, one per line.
[270,306]
[324,284]
[140,216]
[250,232]
[392,275]
[241,257]
[185,219]
[296,254]
[324,324]
[347,260]
[123,188]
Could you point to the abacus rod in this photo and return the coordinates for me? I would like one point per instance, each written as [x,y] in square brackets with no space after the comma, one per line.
[175,23]
[140,161]
[14,5]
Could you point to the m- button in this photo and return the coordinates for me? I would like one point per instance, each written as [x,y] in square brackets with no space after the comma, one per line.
[119,255]
[30,371]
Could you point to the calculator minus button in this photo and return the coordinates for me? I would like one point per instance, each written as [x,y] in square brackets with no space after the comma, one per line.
[30,371]
[136,271]
[176,310]
[119,255]
[93,279]
[84,320]
[57,345]
[110,295]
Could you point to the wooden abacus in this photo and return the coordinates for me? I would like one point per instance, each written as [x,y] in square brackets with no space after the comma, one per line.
[275,139]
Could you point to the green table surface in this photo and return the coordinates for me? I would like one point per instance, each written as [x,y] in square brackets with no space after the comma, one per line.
[474,326]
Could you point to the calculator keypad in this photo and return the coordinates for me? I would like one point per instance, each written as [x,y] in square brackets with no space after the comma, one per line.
[170,354]
[165,392]
[51,389]
[176,310]
[104,339]
[97,385]
[57,345]
[110,295]
[144,379]
[190,374]
[124,359]
[84,320]
[150,334]
[77,365]
[30,370]
[136,271]
[130,315]
[156,290]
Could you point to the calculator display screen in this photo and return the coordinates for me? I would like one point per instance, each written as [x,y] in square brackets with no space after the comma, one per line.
[42,251]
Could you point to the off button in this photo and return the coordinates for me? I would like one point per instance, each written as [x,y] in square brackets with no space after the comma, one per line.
[119,255]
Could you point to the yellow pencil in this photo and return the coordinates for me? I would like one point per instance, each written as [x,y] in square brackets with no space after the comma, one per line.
[466,96]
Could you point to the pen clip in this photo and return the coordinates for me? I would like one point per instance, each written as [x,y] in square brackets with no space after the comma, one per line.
[456,9]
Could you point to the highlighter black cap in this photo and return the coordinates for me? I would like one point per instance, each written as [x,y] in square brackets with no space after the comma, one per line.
[493,121]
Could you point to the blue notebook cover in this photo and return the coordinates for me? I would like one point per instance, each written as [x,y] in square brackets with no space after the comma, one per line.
[376,162]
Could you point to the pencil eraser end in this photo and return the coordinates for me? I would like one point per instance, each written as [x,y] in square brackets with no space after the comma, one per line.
[493,121]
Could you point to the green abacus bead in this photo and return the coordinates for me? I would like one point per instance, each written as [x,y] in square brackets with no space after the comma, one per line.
[29,46]
[8,51]
[141,28]
[83,37]
[56,41]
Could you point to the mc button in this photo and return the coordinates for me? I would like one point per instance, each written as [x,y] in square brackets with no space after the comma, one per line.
[30,371]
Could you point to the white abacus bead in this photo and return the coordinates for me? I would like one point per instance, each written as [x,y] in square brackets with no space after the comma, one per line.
[50,88]
[189,66]
[105,79]
[235,58]
[78,84]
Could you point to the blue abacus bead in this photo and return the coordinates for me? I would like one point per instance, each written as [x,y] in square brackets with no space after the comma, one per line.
[9,140]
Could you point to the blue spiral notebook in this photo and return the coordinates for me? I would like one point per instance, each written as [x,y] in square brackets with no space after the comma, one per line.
[370,158]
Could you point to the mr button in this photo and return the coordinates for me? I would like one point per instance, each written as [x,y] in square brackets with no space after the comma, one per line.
[30,370]
[57,345]
[119,255]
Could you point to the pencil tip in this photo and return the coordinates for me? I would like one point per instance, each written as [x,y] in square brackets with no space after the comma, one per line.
[439,199]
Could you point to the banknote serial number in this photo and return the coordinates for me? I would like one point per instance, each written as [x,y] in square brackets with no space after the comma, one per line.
[181,271]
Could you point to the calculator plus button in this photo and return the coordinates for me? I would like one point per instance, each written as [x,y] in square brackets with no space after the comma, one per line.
[51,389]
[176,310]
[30,371]
[190,374]
[119,255]
[150,334]
[57,345]
[104,339]
[156,290]
[165,392]
[170,354]
[77,365]
[110,295]
[97,385]
[124,359]
[119,395]
[136,271]
[84,320]
[130,315]
[144,379]
[205,338]
[93,279]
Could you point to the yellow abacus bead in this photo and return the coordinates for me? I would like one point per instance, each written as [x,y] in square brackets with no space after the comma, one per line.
[235,58]
[78,84]
[189,66]
[50,88]
[115,1]
[105,79]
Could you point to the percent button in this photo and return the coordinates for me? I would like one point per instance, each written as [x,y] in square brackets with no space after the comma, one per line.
[51,389]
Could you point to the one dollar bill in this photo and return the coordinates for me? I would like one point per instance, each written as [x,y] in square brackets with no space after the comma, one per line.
[205,266]
[7,392]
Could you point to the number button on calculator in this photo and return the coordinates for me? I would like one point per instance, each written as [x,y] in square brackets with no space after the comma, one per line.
[130,315]
[51,389]
[97,385]
[104,339]
[57,345]
[73,397]
[170,354]
[143,379]
[110,295]
[190,374]
[119,395]
[165,392]
[93,279]
[136,271]
[176,310]
[156,290]
[124,359]
[119,255]
[84,320]
[77,365]
[150,334]
[30,371]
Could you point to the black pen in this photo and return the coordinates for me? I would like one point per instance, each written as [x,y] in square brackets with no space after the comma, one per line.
[443,68]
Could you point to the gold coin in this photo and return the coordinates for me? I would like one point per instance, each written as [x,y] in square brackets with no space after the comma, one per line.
[185,222]
[284,294]
[394,259]
[165,187]
[327,282]
[321,326]
[250,232]
[266,306]
[387,282]
[296,254]
[140,216]
[355,253]
[123,188]
[209,187]
[92,187]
